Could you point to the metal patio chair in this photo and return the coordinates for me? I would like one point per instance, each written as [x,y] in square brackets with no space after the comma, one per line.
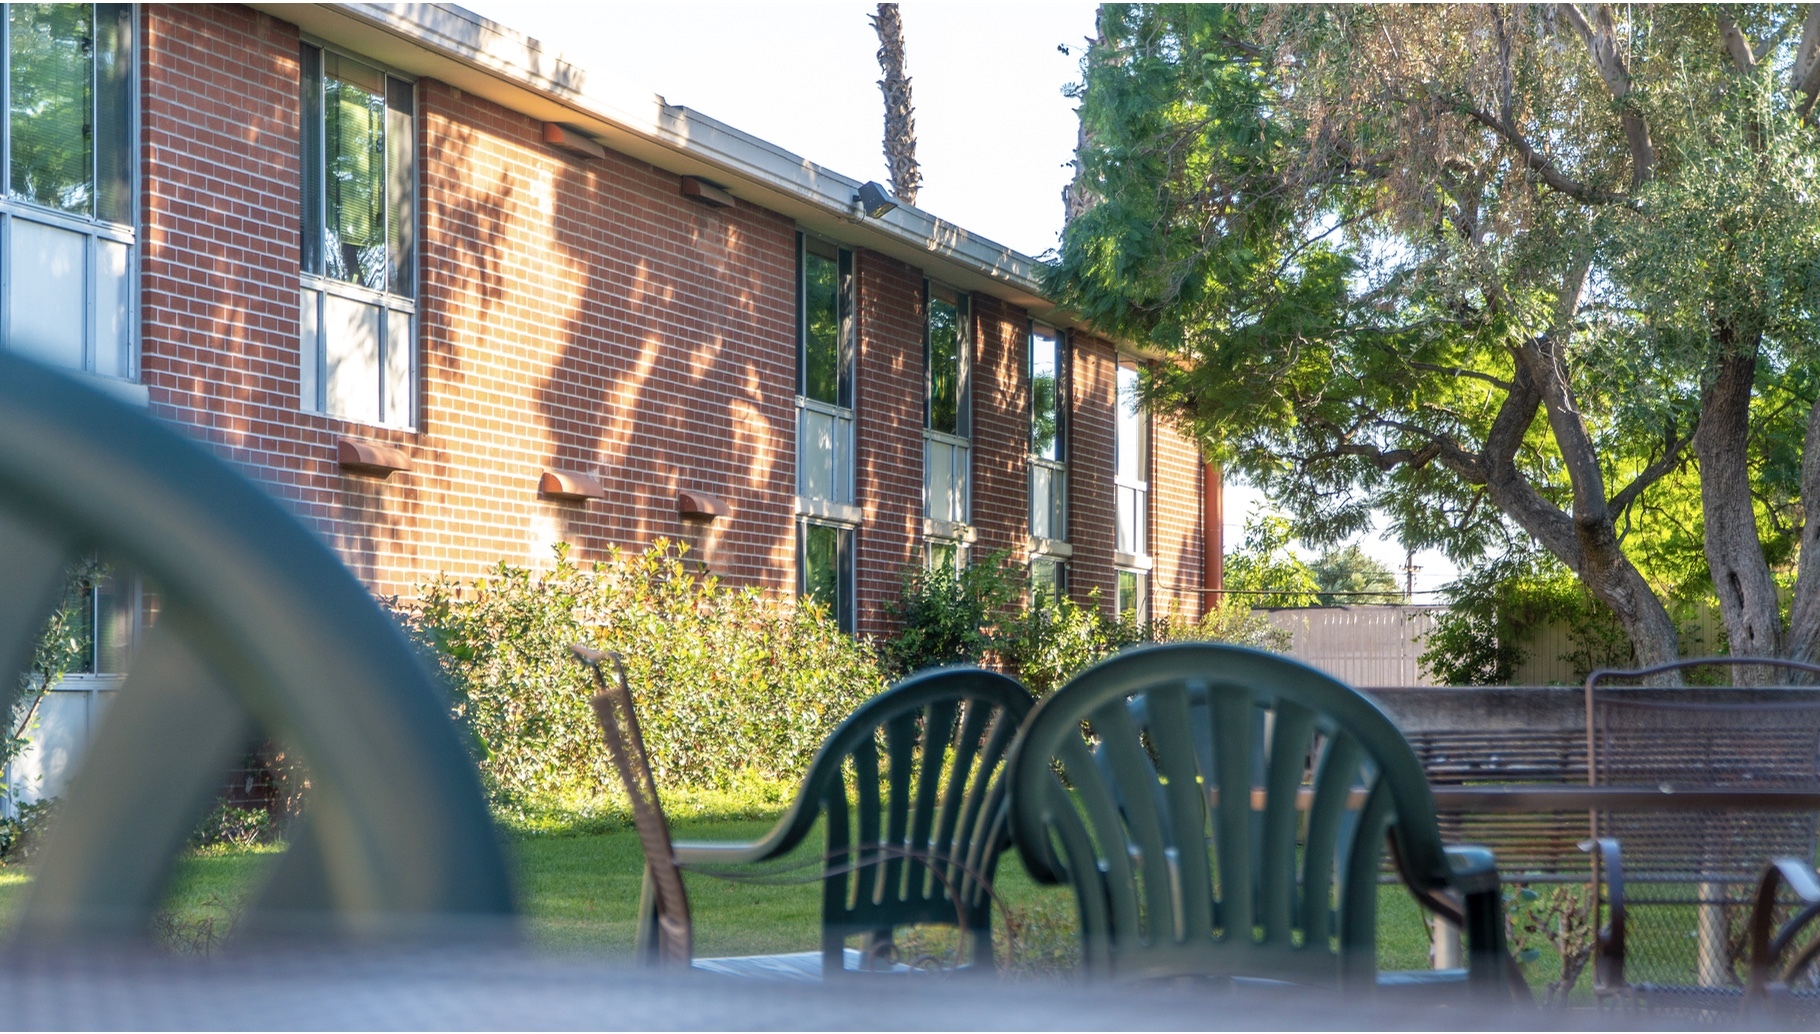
[1221,812]
[1782,944]
[909,791]
[260,628]
[1745,758]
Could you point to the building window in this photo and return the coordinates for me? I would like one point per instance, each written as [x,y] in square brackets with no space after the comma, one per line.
[824,427]
[1133,600]
[68,212]
[109,619]
[824,363]
[1131,479]
[1048,469]
[1132,465]
[359,314]
[824,564]
[947,445]
[1048,581]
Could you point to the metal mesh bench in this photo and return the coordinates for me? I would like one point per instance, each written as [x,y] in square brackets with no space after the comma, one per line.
[1689,791]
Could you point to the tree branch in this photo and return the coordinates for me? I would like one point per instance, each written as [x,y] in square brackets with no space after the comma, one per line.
[1674,446]
[1602,46]
[1551,175]
[1459,371]
[1804,78]
[1743,59]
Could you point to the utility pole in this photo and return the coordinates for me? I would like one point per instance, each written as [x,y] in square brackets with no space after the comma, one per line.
[1409,575]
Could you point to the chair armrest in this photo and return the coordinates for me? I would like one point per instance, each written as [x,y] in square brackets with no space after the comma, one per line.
[1474,869]
[694,853]
[1608,938]
[1799,877]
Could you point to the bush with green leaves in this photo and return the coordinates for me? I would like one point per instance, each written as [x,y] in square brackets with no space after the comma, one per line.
[731,685]
[1494,611]
[230,825]
[63,641]
[978,616]
[23,833]
[950,616]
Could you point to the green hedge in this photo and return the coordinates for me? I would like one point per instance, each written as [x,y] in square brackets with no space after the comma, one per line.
[731,685]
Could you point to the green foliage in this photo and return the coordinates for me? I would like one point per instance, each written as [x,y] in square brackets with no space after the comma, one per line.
[1495,609]
[62,645]
[1349,576]
[978,616]
[730,685]
[951,616]
[1411,260]
[228,825]
[1554,925]
[1266,571]
[1049,645]
[21,835]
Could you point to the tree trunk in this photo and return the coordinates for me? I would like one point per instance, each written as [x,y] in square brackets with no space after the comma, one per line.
[1803,639]
[1586,543]
[1076,197]
[900,117]
[1734,553]
[1596,555]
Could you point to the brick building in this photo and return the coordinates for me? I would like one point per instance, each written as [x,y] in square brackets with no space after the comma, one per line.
[454,303]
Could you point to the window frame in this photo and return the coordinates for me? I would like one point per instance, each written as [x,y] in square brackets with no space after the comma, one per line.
[95,230]
[840,414]
[955,524]
[1139,594]
[318,288]
[1060,566]
[843,607]
[1137,487]
[1057,468]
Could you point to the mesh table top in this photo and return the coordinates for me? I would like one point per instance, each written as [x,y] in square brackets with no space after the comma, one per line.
[486,989]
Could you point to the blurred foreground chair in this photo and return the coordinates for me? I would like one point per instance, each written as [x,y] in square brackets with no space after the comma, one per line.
[1782,943]
[1221,812]
[910,792]
[261,630]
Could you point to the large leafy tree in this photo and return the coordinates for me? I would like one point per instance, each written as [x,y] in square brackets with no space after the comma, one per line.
[1498,272]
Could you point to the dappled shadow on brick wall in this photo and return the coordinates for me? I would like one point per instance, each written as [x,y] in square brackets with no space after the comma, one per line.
[391,530]
[675,365]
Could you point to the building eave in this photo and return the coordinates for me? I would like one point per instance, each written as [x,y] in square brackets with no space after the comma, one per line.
[492,61]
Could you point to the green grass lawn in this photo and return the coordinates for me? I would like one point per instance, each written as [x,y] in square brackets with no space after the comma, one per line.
[580,895]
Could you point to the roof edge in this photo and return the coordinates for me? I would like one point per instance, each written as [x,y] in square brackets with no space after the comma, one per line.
[775,177]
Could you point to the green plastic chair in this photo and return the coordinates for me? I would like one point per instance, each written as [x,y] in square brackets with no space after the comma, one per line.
[261,630]
[1220,812]
[910,788]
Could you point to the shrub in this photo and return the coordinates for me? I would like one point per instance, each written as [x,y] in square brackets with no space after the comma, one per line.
[231,826]
[952,617]
[21,836]
[1050,644]
[730,685]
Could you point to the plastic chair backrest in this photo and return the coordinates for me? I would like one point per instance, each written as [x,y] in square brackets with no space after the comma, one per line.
[911,788]
[1221,811]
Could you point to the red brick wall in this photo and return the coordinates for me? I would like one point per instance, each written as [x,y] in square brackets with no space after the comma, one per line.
[218,237]
[585,316]
[1001,429]
[1091,517]
[576,315]
[888,428]
[1176,544]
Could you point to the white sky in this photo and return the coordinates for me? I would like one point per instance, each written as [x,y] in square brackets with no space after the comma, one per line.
[994,132]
